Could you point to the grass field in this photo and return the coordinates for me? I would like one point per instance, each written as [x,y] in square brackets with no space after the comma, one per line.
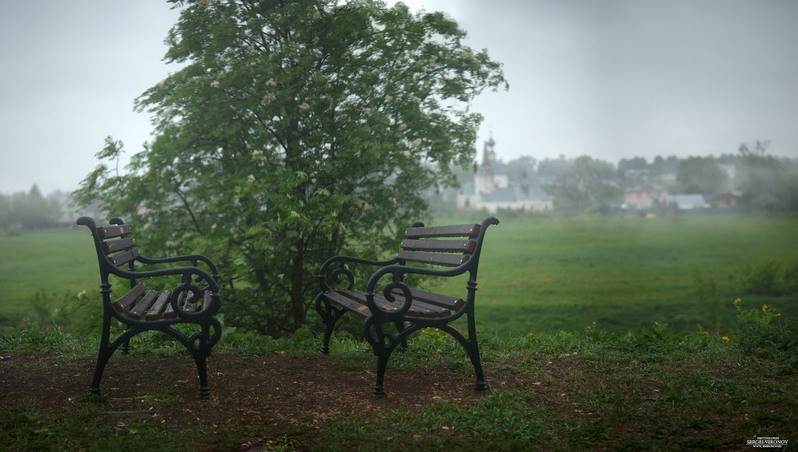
[626,274]
[536,274]
[584,388]
[43,269]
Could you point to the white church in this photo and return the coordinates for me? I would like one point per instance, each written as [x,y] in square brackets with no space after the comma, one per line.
[491,191]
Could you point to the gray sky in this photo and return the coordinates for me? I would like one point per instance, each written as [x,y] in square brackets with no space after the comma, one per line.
[607,78]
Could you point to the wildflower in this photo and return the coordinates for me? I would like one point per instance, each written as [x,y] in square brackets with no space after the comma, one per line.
[725,338]
[271,83]
[416,143]
[402,126]
[215,84]
[304,106]
[388,98]
[407,154]
[778,315]
[251,178]
[765,308]
[737,301]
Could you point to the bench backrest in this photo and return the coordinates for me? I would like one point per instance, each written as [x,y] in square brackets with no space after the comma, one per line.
[115,245]
[448,246]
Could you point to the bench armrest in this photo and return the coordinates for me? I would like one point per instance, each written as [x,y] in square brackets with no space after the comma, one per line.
[398,273]
[334,268]
[194,259]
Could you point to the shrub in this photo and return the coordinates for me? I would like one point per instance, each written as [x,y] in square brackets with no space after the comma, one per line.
[762,332]
[760,278]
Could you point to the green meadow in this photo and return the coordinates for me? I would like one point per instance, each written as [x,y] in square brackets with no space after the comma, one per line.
[624,274]
[584,324]
[537,274]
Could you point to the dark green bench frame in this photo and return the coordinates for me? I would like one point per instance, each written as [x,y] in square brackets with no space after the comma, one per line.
[194,300]
[442,251]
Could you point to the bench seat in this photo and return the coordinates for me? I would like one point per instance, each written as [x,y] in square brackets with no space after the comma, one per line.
[423,305]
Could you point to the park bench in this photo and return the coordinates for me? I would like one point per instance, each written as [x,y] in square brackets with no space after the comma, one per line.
[392,310]
[180,301]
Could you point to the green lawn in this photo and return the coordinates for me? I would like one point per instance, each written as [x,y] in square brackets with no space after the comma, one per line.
[624,274]
[537,274]
[51,265]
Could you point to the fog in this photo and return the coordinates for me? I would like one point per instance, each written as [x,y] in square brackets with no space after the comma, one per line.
[611,79]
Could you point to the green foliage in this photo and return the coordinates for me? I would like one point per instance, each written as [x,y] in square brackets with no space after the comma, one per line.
[292,132]
[762,332]
[701,175]
[36,339]
[770,276]
[585,183]
[760,277]
[760,173]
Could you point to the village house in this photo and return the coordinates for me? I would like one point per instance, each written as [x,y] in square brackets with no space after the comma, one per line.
[644,196]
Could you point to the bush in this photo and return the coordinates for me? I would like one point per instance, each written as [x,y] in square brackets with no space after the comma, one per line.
[760,278]
[761,332]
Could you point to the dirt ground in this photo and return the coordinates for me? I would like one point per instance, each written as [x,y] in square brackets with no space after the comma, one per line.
[274,393]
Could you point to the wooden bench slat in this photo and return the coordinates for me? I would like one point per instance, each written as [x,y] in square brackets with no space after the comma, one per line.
[143,304]
[458,230]
[110,232]
[112,246]
[348,303]
[124,257]
[160,304]
[356,301]
[443,301]
[127,299]
[433,258]
[452,246]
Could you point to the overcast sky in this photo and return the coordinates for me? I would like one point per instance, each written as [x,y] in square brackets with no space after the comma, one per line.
[607,78]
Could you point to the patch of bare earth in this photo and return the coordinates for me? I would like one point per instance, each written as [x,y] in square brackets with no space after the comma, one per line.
[273,393]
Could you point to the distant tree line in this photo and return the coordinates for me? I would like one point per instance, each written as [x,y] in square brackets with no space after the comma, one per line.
[588,183]
[30,210]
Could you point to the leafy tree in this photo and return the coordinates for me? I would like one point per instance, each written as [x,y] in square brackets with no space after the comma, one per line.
[522,167]
[587,183]
[758,172]
[701,175]
[637,163]
[295,130]
[553,168]
[661,166]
